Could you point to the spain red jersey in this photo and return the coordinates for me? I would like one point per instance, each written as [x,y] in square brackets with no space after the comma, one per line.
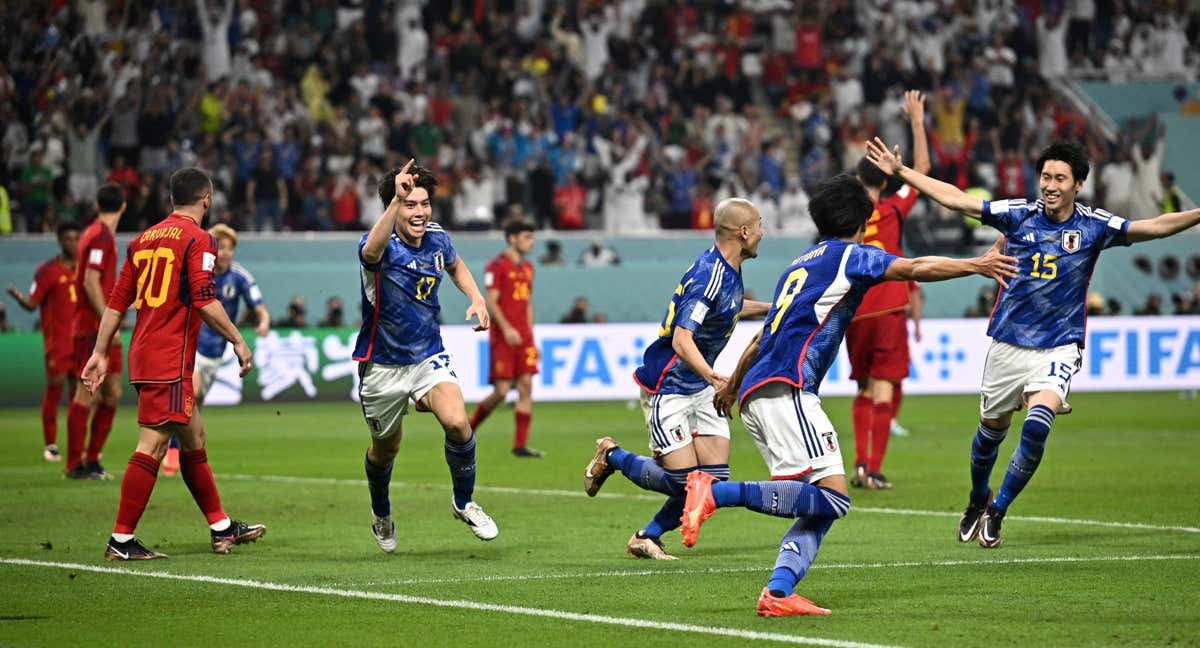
[167,278]
[514,281]
[97,251]
[883,231]
[54,292]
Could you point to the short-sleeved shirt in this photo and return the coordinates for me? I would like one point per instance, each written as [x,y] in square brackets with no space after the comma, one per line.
[234,286]
[514,283]
[53,291]
[167,278]
[97,251]
[884,231]
[400,299]
[814,301]
[1044,305]
[707,302]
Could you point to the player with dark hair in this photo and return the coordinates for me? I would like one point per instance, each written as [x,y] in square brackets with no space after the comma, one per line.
[167,279]
[877,338]
[400,353]
[95,275]
[53,292]
[513,356]
[1037,325]
[780,372]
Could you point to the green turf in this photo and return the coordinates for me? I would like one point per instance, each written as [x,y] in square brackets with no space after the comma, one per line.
[893,578]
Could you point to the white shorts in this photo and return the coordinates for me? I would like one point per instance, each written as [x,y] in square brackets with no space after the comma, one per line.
[1012,371]
[206,371]
[792,433]
[673,420]
[386,389]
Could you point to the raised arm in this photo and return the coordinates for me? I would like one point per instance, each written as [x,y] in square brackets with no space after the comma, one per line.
[1162,226]
[460,274]
[914,108]
[372,250]
[993,264]
[944,193]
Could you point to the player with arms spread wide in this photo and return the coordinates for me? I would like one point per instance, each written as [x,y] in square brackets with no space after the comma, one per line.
[401,264]
[1038,323]
[53,292]
[508,279]
[780,372]
[167,279]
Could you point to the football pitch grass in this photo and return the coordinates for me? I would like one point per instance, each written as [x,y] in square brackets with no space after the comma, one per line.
[1103,547]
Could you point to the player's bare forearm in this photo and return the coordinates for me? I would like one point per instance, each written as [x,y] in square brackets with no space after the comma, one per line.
[218,320]
[921,163]
[1163,226]
[494,310]
[94,291]
[943,193]
[461,275]
[933,268]
[24,301]
[751,308]
[683,343]
[264,319]
[110,321]
[381,231]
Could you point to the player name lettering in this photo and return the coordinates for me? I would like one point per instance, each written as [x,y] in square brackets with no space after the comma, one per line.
[155,234]
[810,256]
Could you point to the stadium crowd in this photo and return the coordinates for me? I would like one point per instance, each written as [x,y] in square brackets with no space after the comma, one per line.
[625,116]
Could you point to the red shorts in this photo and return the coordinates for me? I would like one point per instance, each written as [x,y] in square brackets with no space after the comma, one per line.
[878,347]
[83,352]
[160,403]
[60,358]
[508,362]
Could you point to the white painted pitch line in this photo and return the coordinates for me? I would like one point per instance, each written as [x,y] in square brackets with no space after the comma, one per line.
[286,479]
[627,573]
[451,603]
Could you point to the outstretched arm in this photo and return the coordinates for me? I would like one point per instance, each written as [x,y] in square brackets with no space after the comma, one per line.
[993,264]
[460,274]
[1162,226]
[944,193]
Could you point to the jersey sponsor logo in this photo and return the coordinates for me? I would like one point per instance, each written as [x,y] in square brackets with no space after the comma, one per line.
[1071,240]
[96,256]
[438,262]
[208,262]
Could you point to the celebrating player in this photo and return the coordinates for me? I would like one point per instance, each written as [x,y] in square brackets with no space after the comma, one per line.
[686,432]
[400,351]
[780,372]
[234,284]
[167,278]
[95,275]
[1037,325]
[53,291]
[877,339]
[514,357]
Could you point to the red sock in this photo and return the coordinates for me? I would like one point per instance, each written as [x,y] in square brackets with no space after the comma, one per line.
[881,427]
[860,414]
[102,422]
[897,396]
[136,486]
[193,465]
[50,401]
[482,410]
[77,417]
[522,435]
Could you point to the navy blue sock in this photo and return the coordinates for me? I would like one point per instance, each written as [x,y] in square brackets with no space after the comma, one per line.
[645,472]
[174,443]
[378,478]
[1027,456]
[796,554]
[460,457]
[983,457]
[784,498]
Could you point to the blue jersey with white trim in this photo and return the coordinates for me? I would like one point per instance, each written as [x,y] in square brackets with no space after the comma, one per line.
[707,302]
[814,303]
[400,299]
[234,286]
[1044,306]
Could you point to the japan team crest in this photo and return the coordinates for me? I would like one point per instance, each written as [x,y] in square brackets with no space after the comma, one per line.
[677,432]
[438,262]
[1071,240]
[830,443]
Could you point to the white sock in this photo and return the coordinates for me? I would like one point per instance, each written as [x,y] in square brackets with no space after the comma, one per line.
[220,526]
[122,537]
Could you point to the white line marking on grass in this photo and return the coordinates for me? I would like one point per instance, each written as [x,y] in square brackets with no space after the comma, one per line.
[450,603]
[286,479]
[738,570]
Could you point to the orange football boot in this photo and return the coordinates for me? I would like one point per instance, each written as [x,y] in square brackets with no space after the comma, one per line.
[698,507]
[794,605]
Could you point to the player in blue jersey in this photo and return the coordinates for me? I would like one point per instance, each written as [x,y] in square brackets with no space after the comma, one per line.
[399,349]
[677,379]
[779,375]
[234,285]
[1037,325]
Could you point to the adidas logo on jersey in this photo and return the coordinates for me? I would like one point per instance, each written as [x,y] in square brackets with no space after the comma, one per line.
[1028,238]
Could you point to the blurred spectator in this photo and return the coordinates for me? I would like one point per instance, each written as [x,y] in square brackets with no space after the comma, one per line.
[553,255]
[334,316]
[5,327]
[1153,306]
[598,255]
[295,315]
[1172,199]
[37,181]
[267,194]
[577,314]
[983,303]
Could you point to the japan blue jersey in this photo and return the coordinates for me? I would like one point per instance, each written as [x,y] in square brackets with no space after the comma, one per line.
[814,303]
[234,286]
[400,299]
[707,302]
[1044,305]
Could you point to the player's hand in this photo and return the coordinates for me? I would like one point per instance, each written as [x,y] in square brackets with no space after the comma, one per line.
[917,331]
[244,356]
[718,381]
[512,337]
[724,399]
[997,266]
[888,161]
[914,106]
[94,372]
[478,310]
[404,181]
[12,290]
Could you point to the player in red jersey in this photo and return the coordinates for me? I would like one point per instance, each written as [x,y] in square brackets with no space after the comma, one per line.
[167,279]
[53,291]
[95,275]
[514,357]
[877,338]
